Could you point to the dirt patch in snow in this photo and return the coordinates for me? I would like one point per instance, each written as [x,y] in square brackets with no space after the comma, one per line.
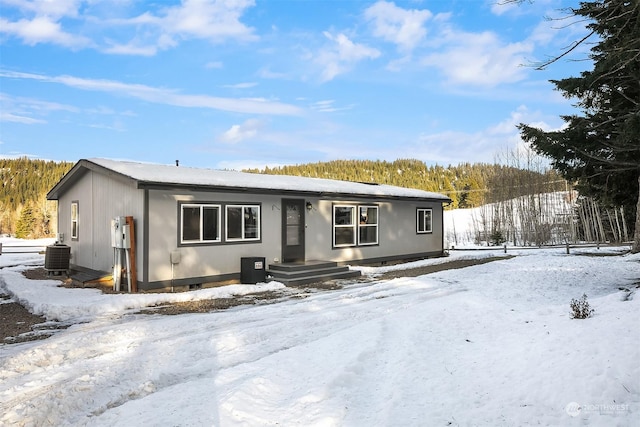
[428,269]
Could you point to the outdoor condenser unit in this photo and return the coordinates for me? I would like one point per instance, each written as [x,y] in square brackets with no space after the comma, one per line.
[56,258]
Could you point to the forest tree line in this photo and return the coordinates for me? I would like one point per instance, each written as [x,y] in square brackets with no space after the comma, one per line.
[468,185]
[25,211]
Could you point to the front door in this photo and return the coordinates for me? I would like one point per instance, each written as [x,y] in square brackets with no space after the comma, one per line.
[293,230]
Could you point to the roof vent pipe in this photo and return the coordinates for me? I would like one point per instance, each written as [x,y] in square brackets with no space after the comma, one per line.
[177,162]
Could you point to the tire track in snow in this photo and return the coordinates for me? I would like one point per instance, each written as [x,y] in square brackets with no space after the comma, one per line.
[84,361]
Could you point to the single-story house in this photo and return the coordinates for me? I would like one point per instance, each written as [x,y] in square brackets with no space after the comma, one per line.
[193,226]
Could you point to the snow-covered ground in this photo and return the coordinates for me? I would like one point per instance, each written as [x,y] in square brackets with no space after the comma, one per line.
[464,226]
[489,345]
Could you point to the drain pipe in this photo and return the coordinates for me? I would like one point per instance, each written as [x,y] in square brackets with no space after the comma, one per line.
[175,258]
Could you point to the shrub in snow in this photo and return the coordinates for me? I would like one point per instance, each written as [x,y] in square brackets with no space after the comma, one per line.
[497,238]
[580,309]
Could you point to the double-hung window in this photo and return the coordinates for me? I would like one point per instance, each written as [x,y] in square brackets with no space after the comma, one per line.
[200,223]
[368,225]
[74,220]
[424,220]
[355,225]
[242,222]
[344,225]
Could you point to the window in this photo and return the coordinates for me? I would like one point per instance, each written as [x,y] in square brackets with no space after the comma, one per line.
[74,220]
[242,222]
[200,223]
[344,225]
[346,229]
[424,220]
[368,227]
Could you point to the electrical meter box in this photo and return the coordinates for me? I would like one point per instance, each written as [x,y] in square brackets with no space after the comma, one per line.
[120,233]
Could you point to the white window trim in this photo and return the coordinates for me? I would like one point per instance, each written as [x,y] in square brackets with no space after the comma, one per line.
[353,225]
[422,212]
[376,225]
[201,206]
[243,229]
[76,220]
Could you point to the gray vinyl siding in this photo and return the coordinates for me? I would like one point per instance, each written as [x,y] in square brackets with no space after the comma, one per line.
[397,235]
[100,198]
[103,195]
[206,260]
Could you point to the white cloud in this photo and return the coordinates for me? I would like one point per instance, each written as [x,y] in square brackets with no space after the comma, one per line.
[520,7]
[342,55]
[267,73]
[164,96]
[479,59]
[404,27]
[328,106]
[42,29]
[131,49]
[521,115]
[245,85]
[214,65]
[214,20]
[25,110]
[153,30]
[9,117]
[500,7]
[238,133]
[53,8]
[484,145]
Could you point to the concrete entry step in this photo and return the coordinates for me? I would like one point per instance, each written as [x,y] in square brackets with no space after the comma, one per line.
[309,272]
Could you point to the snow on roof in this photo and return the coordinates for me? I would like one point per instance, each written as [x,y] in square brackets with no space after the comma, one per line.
[147,173]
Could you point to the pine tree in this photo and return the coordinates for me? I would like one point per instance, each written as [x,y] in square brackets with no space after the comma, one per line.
[600,148]
[26,223]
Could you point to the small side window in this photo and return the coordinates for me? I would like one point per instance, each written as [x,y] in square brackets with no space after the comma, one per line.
[74,220]
[423,220]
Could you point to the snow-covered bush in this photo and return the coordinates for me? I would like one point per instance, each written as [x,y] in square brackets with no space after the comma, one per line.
[580,309]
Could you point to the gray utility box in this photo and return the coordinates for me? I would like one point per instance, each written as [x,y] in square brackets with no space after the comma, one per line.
[252,270]
[56,258]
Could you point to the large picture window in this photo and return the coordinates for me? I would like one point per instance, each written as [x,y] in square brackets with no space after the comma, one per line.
[355,225]
[424,220]
[200,223]
[74,220]
[242,222]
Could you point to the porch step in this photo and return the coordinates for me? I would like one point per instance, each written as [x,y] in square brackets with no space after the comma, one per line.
[292,274]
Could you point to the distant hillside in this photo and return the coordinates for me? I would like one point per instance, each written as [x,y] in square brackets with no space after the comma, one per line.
[24,210]
[468,185]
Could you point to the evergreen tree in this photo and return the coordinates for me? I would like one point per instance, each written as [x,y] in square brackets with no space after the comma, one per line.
[25,182]
[600,148]
[26,223]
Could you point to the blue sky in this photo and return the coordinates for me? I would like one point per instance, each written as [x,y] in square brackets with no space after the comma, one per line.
[242,83]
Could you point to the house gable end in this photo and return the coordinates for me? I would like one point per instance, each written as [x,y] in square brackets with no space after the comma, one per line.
[78,171]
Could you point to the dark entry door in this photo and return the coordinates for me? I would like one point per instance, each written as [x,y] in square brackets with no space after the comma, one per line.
[293,230]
